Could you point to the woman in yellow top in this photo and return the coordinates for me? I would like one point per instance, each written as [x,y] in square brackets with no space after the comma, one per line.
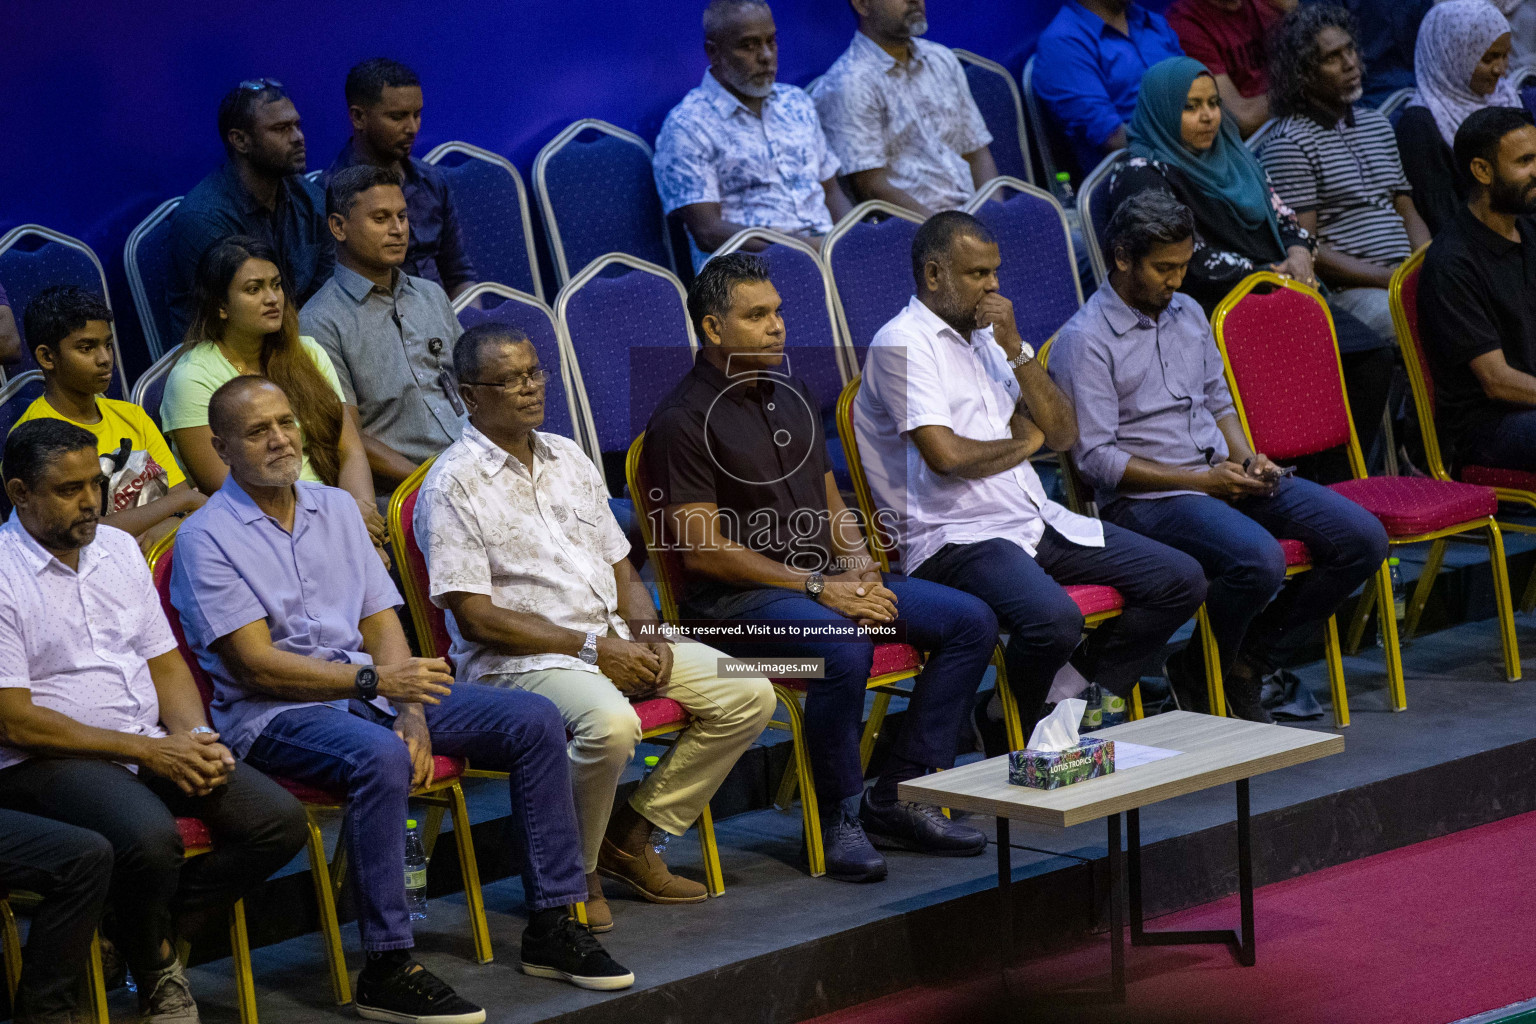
[245,324]
[70,330]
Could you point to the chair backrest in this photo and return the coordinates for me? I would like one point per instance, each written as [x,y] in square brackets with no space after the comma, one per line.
[666,560]
[150,387]
[494,303]
[160,569]
[1282,364]
[817,352]
[1392,107]
[1094,211]
[147,259]
[869,254]
[493,214]
[630,343]
[1403,294]
[431,622]
[1002,108]
[875,536]
[1039,269]
[32,258]
[1039,128]
[597,196]
[15,395]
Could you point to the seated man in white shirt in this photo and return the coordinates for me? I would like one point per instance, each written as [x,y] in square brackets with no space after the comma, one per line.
[742,149]
[534,572]
[899,114]
[101,725]
[952,406]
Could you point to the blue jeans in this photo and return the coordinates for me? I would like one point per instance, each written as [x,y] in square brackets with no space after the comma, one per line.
[500,730]
[1236,546]
[957,631]
[1508,443]
[1162,588]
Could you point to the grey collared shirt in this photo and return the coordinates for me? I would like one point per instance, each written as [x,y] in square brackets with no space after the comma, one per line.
[1141,388]
[393,353]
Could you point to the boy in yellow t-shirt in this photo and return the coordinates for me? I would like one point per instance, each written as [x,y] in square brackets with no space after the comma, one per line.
[70,331]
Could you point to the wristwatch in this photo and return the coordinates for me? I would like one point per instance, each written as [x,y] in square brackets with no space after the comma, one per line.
[1026,353]
[588,652]
[367,683]
[815,583]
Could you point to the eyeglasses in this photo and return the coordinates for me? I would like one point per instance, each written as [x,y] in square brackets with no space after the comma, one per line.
[536,377]
[261,84]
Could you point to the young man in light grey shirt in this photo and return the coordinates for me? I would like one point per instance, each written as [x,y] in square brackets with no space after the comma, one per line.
[389,335]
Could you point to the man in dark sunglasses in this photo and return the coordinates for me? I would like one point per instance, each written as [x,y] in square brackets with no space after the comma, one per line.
[259,191]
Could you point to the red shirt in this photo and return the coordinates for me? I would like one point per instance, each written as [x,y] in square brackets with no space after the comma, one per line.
[1230,43]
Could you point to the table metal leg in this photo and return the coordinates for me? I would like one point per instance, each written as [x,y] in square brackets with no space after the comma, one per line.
[1005,891]
[1133,857]
[1116,911]
[1246,950]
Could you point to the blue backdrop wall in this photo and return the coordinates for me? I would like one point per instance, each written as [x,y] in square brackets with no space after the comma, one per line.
[109,104]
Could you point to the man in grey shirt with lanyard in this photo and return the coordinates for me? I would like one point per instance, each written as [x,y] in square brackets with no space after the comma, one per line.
[389,335]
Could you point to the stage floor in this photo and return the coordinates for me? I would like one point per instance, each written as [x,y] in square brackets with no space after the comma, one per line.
[780,946]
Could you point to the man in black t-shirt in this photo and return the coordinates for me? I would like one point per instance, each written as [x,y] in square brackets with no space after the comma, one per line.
[1477,298]
[737,457]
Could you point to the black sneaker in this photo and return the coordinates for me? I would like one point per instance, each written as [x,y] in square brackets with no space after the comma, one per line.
[919,827]
[1187,684]
[569,952]
[411,994]
[1244,686]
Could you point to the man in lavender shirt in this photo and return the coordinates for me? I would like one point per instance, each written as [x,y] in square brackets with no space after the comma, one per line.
[1160,442]
[292,616]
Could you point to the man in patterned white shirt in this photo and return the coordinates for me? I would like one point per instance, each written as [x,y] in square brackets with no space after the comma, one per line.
[899,114]
[743,150]
[101,725]
[533,570]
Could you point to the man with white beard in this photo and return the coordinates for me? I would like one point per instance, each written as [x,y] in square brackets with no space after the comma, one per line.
[743,150]
[899,114]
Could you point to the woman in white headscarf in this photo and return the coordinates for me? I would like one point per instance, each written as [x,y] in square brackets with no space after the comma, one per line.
[1461,62]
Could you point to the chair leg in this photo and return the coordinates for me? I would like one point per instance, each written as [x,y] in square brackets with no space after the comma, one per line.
[790,783]
[431,828]
[96,981]
[330,926]
[1013,726]
[810,811]
[1335,660]
[1389,644]
[872,728]
[10,949]
[1214,690]
[1421,590]
[1363,610]
[714,874]
[1137,714]
[469,872]
[240,959]
[1503,600]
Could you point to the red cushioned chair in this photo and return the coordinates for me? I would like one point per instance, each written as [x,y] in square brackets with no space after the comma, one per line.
[1511,485]
[1283,367]
[442,793]
[660,717]
[893,664]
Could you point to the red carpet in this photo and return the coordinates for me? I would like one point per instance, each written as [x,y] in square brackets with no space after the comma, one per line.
[1428,934]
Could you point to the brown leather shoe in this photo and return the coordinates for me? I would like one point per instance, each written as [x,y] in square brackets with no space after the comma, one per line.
[599,917]
[647,874]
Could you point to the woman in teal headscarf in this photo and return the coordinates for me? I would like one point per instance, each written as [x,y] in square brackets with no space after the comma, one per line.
[1180,143]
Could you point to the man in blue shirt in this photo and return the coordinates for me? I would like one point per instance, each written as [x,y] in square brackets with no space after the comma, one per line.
[1088,69]
[293,618]
[1160,441]
[384,102]
[260,191]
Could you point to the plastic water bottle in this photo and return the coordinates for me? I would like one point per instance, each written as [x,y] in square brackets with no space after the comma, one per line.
[1399,602]
[660,837]
[1063,189]
[1093,714]
[415,872]
[1114,711]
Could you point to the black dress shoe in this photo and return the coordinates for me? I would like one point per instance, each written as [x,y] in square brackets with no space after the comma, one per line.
[1244,686]
[920,827]
[849,855]
[1187,684]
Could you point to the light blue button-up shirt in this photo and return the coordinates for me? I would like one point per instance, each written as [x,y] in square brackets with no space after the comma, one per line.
[765,172]
[1142,388]
[235,565]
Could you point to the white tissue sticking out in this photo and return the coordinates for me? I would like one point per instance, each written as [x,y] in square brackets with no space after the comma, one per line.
[1058,730]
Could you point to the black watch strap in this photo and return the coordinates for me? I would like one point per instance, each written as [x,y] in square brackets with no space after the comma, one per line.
[367,682]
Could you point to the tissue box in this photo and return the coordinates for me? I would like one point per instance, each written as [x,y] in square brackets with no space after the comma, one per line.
[1052,769]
